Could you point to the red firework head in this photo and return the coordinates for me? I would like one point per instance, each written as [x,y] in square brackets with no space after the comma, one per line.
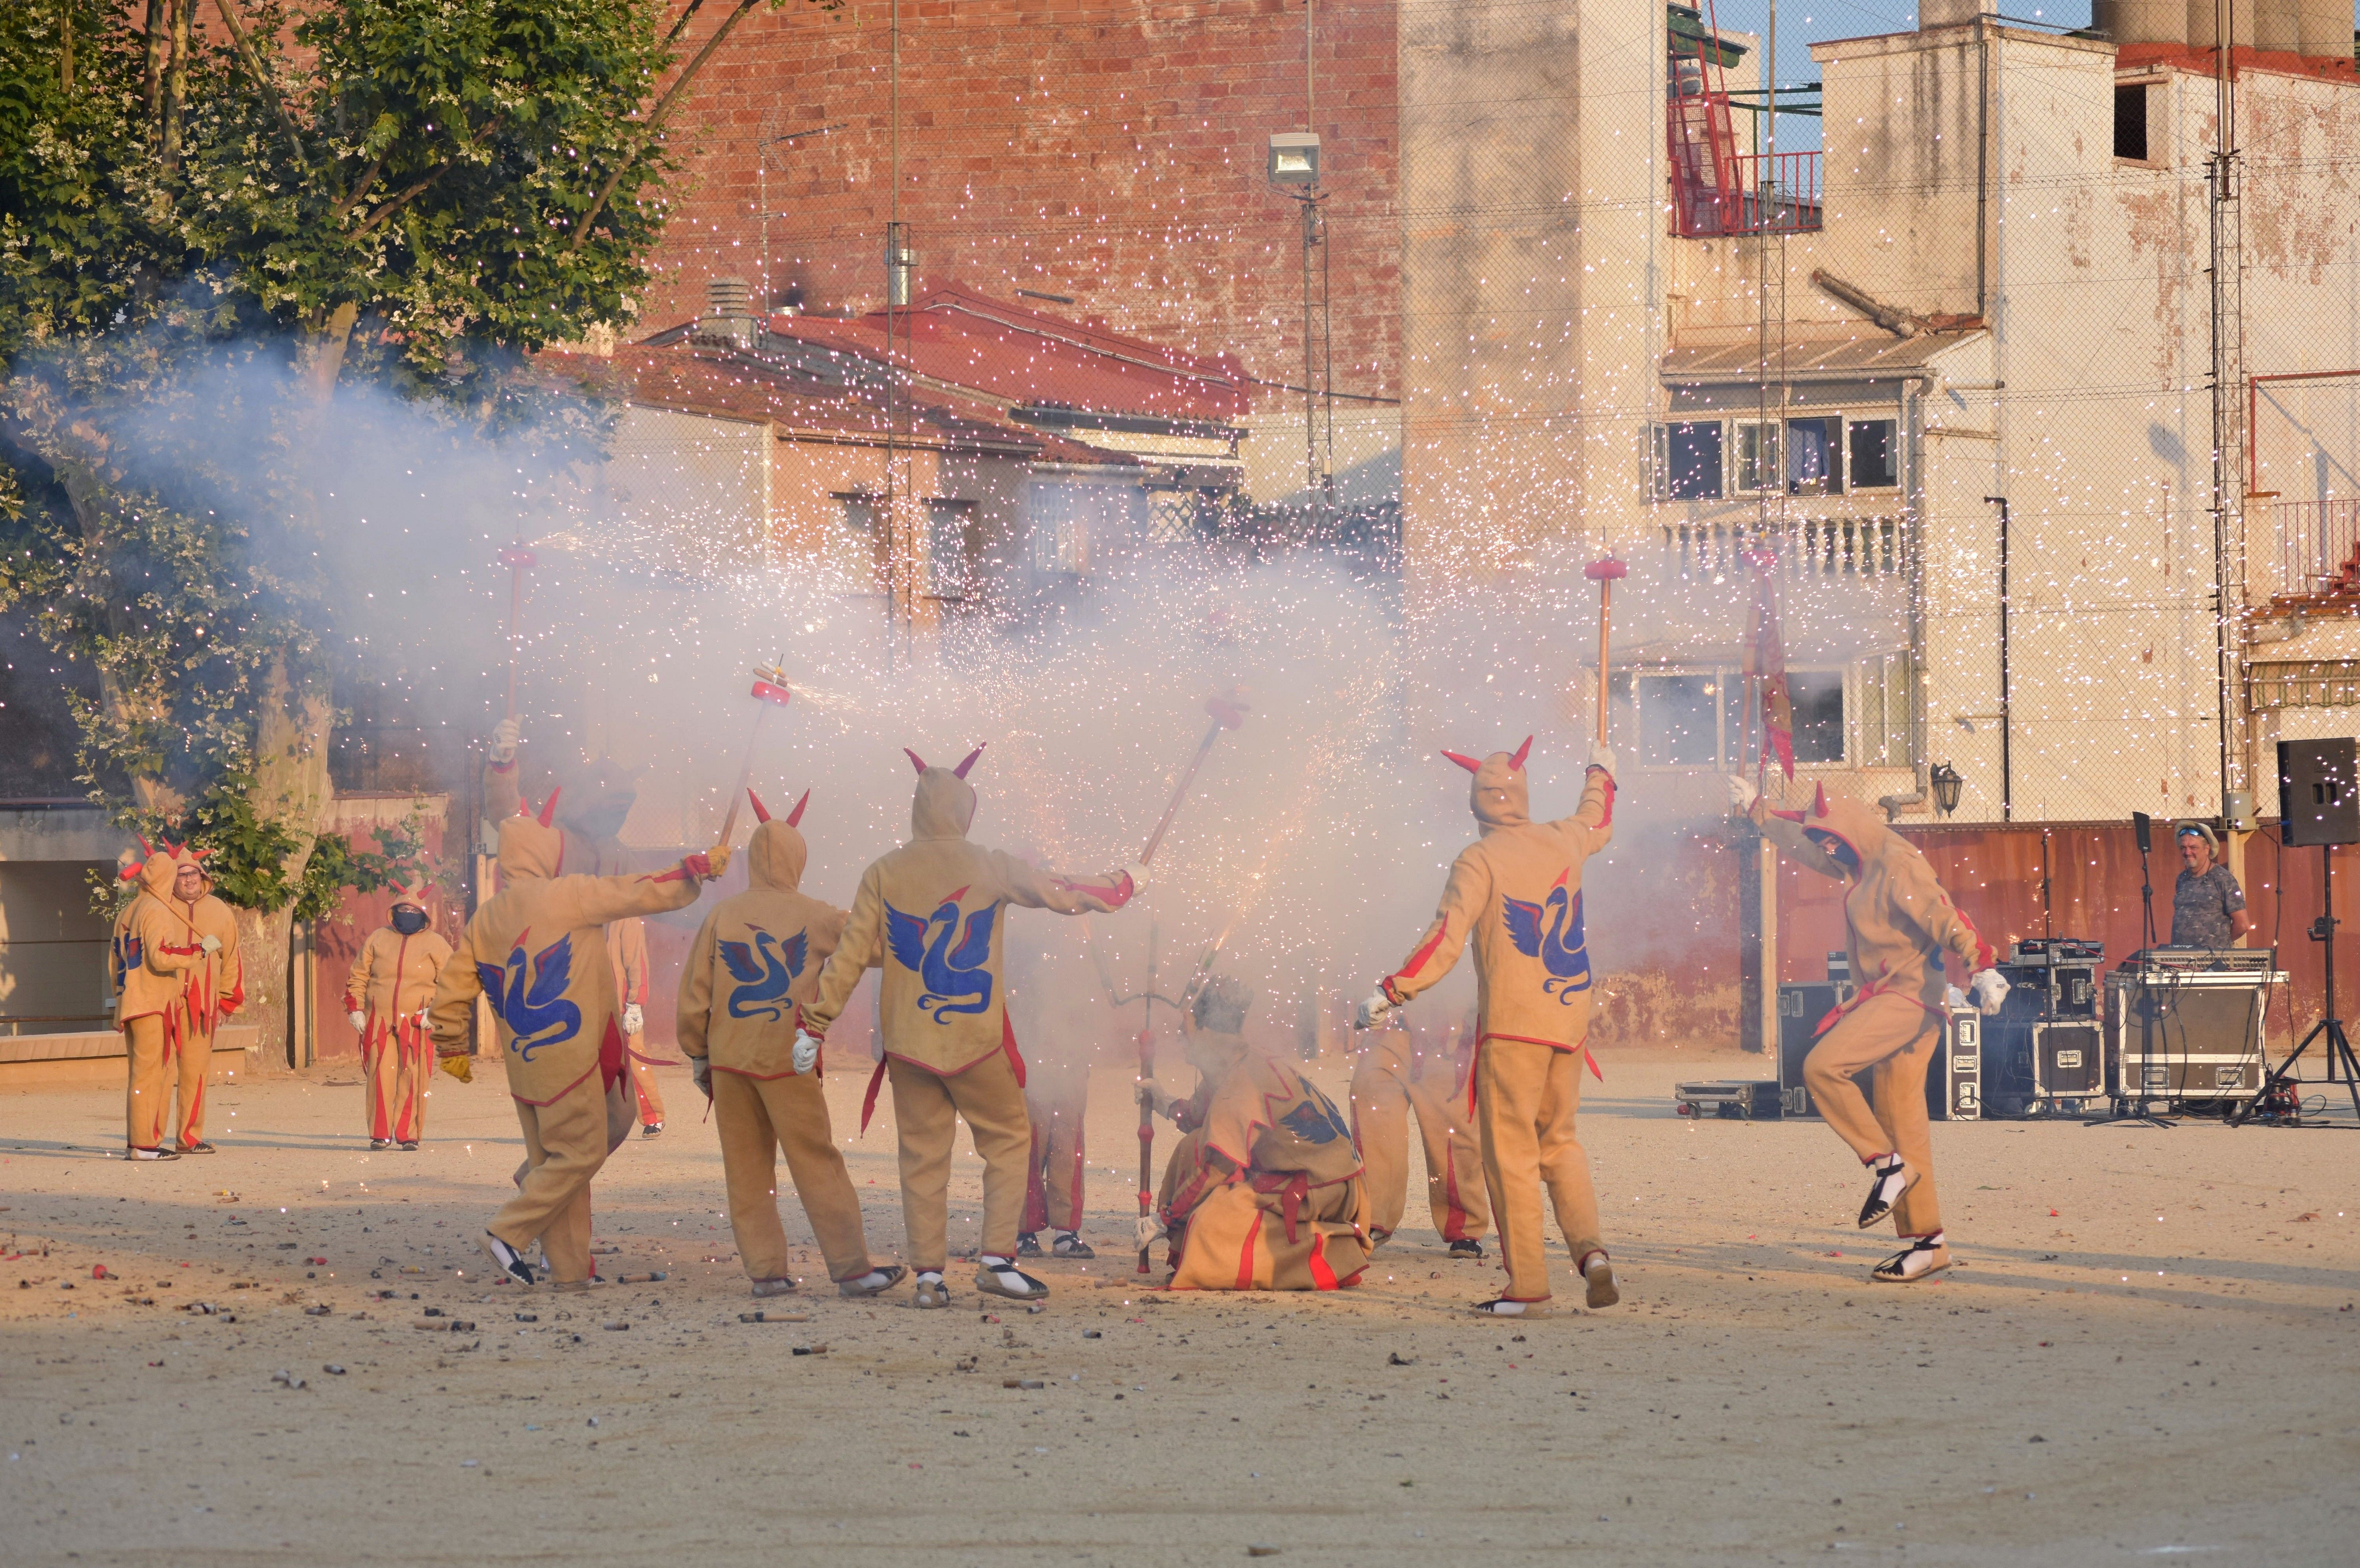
[1227,711]
[762,813]
[1606,570]
[795,817]
[960,770]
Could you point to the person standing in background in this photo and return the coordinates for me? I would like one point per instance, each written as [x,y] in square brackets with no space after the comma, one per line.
[216,989]
[386,997]
[1399,1073]
[627,948]
[154,949]
[2208,908]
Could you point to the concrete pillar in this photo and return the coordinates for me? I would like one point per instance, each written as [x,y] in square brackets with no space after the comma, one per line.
[2277,27]
[2141,21]
[2204,22]
[2324,29]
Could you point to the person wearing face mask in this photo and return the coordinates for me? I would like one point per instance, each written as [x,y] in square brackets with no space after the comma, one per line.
[1900,924]
[385,997]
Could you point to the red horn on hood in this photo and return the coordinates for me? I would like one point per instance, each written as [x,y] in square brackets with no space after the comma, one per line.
[1820,800]
[1524,751]
[916,760]
[145,847]
[1467,763]
[549,806]
[962,768]
[761,814]
[795,817]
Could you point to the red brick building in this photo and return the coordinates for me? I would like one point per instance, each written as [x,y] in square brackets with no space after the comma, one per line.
[1106,156]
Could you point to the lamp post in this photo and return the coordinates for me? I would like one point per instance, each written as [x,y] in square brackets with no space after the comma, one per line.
[1294,173]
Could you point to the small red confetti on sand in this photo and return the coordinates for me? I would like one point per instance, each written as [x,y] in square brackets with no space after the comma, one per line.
[2052,1214]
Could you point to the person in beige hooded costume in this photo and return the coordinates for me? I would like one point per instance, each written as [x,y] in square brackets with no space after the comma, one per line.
[928,914]
[754,962]
[627,949]
[157,958]
[385,997]
[1400,1073]
[1265,1191]
[1898,924]
[1516,894]
[538,951]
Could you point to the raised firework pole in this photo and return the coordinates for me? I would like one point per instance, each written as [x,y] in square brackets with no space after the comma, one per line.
[1604,572]
[1226,712]
[770,691]
[518,559]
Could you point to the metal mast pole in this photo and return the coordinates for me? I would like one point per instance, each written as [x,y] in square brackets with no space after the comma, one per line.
[2228,389]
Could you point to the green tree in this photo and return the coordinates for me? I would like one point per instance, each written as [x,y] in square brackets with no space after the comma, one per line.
[238,217]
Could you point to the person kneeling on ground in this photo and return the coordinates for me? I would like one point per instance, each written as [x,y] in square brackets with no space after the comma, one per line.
[1265,1192]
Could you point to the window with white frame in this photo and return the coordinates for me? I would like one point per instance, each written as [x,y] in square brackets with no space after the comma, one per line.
[1703,718]
[1813,455]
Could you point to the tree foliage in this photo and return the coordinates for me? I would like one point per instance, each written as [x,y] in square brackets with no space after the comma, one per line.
[218,209]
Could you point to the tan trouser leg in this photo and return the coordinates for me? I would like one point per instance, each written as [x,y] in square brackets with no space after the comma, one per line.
[1454,1166]
[1526,1098]
[1898,1038]
[147,1098]
[643,1079]
[1061,1156]
[565,1143]
[196,1061]
[928,1123]
[757,1118]
[992,1104]
[380,1075]
[1381,1131]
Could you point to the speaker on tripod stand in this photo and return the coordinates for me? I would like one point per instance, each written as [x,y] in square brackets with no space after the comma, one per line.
[2319,803]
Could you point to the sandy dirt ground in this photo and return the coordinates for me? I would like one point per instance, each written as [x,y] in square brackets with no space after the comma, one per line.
[2150,1350]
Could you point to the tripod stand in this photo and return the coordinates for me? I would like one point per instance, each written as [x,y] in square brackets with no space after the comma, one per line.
[2342,1067]
[2143,827]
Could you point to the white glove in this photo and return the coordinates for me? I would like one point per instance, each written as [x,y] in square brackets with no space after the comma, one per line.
[505,736]
[1147,1233]
[806,1051]
[1137,871]
[1989,989]
[700,1068]
[1376,1012]
[634,1020]
[360,1021]
[1740,794]
[211,943]
[1953,997]
[1603,756]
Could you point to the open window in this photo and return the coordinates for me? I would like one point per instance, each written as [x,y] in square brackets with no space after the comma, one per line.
[1687,460]
[1815,457]
[2132,101]
[1873,453]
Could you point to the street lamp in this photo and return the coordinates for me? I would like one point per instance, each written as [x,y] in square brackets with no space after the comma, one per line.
[1946,784]
[1295,174]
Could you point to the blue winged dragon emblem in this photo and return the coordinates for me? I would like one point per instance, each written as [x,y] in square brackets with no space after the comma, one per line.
[763,969]
[1558,943]
[949,972]
[535,1009]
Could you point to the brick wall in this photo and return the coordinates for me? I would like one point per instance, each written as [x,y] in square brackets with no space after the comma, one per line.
[1111,151]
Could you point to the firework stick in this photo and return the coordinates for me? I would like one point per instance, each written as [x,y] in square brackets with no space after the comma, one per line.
[1604,573]
[770,689]
[518,559]
[1228,715]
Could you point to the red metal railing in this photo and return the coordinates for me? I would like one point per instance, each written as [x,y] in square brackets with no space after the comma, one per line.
[1718,191]
[2319,547]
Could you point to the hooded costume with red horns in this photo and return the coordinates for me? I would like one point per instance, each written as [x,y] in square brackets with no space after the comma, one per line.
[391,984]
[538,951]
[163,983]
[932,915]
[754,962]
[1899,924]
[1515,893]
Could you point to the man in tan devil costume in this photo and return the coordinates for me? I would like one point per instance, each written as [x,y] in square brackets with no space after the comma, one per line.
[385,997]
[1265,1192]
[538,951]
[929,915]
[156,957]
[216,990]
[1899,923]
[1399,1072]
[755,962]
[1517,892]
[627,949]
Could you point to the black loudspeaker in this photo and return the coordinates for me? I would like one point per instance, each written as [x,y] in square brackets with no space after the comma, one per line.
[2319,795]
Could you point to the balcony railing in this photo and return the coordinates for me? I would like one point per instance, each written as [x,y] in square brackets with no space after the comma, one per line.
[1717,189]
[2319,547]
